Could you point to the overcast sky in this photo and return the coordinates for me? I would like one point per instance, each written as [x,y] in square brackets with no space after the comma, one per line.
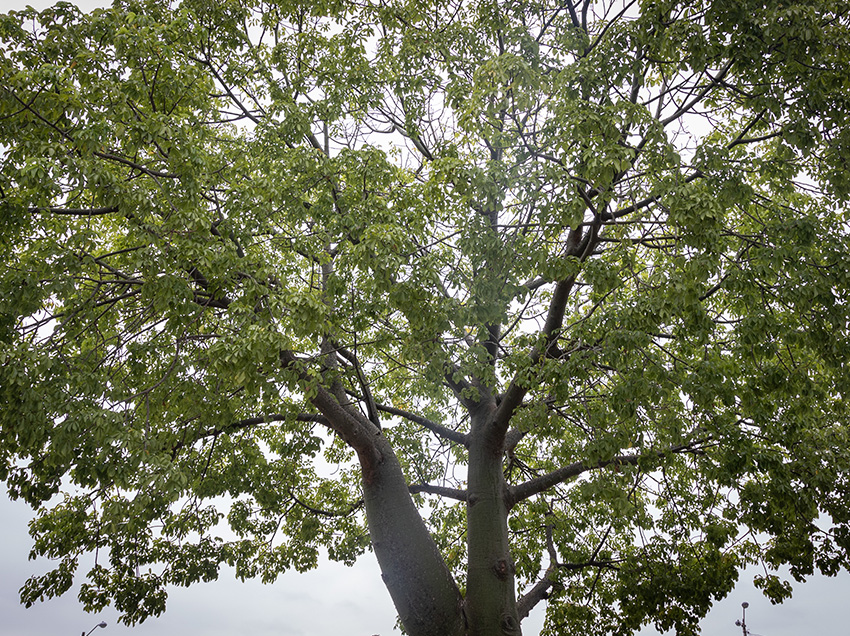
[335,600]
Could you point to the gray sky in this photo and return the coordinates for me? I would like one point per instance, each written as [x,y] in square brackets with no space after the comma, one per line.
[335,600]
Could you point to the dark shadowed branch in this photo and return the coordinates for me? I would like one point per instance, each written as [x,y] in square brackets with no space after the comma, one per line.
[451,493]
[74,211]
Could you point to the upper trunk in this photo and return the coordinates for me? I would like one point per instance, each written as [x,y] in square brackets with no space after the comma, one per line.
[491,593]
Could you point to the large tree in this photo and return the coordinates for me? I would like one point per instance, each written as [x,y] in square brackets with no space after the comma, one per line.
[535,299]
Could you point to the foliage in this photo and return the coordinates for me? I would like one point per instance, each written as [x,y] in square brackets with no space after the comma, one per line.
[606,241]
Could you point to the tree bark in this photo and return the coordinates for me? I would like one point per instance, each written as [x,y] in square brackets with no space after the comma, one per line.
[420,583]
[491,590]
[421,586]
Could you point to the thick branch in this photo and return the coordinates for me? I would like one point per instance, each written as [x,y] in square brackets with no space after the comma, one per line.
[276,417]
[371,408]
[715,81]
[205,300]
[399,126]
[516,392]
[618,214]
[247,113]
[554,321]
[422,588]
[451,493]
[437,429]
[575,20]
[421,585]
[354,429]
[75,211]
[492,343]
[248,423]
[327,513]
[540,484]
[513,438]
[539,592]
[137,166]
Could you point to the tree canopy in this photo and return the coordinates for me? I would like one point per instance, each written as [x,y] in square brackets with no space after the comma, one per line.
[538,300]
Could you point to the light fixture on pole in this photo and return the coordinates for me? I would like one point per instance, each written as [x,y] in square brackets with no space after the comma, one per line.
[100,624]
[743,622]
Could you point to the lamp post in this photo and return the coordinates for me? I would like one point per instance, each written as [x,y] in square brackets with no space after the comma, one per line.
[100,624]
[743,622]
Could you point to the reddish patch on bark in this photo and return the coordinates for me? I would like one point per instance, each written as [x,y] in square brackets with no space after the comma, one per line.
[369,467]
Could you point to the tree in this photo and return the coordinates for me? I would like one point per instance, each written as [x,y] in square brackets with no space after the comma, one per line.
[537,300]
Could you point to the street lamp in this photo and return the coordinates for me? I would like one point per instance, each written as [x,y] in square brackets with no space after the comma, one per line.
[743,622]
[100,624]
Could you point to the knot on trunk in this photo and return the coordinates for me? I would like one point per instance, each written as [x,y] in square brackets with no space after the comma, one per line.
[503,569]
[510,625]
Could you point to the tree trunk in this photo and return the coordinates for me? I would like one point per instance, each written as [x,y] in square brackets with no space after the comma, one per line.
[420,584]
[491,593]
